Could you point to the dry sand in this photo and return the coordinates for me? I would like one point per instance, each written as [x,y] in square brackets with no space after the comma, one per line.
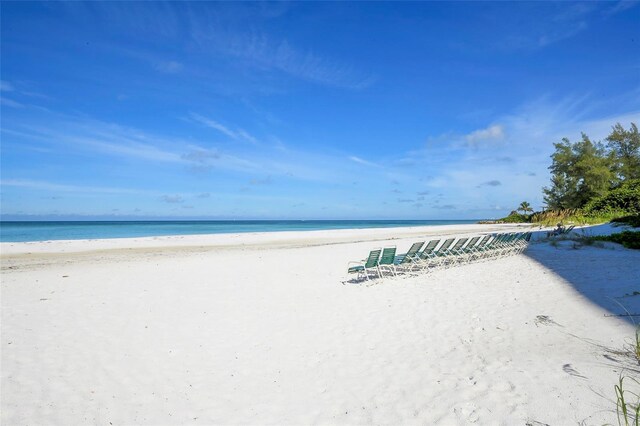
[260,329]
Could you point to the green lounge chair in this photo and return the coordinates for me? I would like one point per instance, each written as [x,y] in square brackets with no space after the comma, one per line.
[408,256]
[436,255]
[448,255]
[387,260]
[476,252]
[404,260]
[363,267]
[465,252]
[425,254]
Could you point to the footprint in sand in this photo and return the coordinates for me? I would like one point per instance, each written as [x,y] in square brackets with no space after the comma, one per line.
[467,412]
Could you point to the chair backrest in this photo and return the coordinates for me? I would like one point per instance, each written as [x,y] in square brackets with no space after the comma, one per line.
[500,240]
[459,243]
[415,247]
[569,229]
[431,245]
[472,243]
[428,249]
[446,245]
[483,242]
[372,260]
[527,237]
[388,256]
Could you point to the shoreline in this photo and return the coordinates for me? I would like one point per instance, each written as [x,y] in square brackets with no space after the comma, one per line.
[228,240]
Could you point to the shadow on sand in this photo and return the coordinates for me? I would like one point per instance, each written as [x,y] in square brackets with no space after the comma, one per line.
[607,274]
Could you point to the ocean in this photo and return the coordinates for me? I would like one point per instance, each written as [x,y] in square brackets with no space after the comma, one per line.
[11,231]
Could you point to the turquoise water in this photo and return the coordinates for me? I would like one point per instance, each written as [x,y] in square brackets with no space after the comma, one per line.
[81,230]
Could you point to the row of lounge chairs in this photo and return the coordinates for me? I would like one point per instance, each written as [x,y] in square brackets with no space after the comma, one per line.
[437,255]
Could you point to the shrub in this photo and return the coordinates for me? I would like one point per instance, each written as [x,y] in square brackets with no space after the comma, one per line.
[515,218]
[628,220]
[629,239]
[625,198]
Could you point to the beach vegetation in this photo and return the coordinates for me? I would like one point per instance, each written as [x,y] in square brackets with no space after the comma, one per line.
[629,239]
[624,198]
[594,182]
[631,220]
[624,145]
[628,412]
[580,171]
[524,207]
[515,217]
[586,170]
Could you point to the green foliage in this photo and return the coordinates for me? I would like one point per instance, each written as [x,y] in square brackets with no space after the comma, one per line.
[628,220]
[576,216]
[586,170]
[515,217]
[580,171]
[629,239]
[625,147]
[628,412]
[625,198]
[524,207]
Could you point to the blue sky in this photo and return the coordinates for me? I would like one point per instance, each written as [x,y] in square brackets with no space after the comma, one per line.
[303,110]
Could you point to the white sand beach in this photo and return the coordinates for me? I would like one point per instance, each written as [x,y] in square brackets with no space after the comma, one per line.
[266,329]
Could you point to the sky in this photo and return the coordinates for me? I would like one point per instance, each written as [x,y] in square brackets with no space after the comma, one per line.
[302,110]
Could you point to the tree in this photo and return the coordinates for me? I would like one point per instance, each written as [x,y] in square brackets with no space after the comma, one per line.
[580,171]
[625,151]
[524,207]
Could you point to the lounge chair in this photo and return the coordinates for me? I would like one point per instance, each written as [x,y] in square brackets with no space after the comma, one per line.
[363,267]
[448,255]
[465,252]
[425,254]
[434,258]
[387,260]
[476,252]
[410,255]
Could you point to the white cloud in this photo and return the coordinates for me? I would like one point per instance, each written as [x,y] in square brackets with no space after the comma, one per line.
[238,134]
[362,161]
[491,133]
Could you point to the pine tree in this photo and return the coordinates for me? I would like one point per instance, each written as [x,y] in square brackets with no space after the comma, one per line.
[580,171]
[625,151]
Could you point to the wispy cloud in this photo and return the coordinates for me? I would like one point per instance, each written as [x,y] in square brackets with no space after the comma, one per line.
[362,161]
[546,24]
[172,199]
[169,67]
[621,6]
[58,187]
[238,134]
[5,86]
[490,183]
[266,53]
[10,103]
